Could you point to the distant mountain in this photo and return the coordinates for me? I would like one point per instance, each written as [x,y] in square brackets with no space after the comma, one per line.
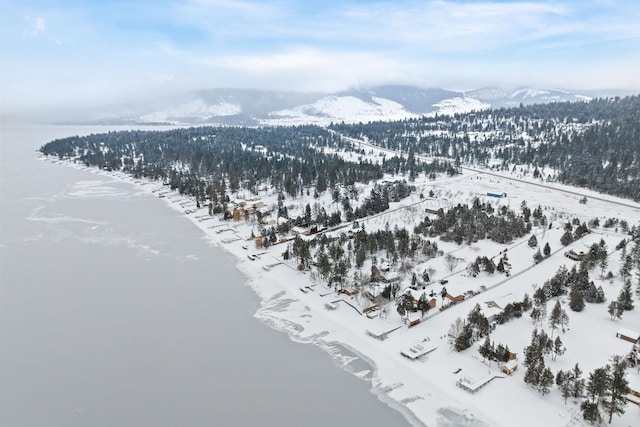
[265,107]
[498,97]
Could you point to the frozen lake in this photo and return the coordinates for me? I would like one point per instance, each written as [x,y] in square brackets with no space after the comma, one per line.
[115,311]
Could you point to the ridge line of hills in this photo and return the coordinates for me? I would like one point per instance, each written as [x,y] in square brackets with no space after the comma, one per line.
[251,107]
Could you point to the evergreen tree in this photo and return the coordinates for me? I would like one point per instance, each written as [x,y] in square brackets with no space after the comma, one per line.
[425,277]
[626,266]
[598,383]
[576,299]
[532,375]
[555,317]
[564,320]
[547,249]
[615,310]
[546,381]
[486,349]
[617,387]
[625,298]
[558,348]
[536,315]
[533,241]
[578,382]
[423,304]
[566,385]
[464,340]
[591,412]
[537,257]
[566,238]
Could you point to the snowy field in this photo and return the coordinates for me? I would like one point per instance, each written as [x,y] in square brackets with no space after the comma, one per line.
[309,311]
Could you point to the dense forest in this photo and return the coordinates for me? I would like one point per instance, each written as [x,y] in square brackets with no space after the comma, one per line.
[593,144]
[207,162]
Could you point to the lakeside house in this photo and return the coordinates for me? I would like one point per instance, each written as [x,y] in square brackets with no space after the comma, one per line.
[418,350]
[472,386]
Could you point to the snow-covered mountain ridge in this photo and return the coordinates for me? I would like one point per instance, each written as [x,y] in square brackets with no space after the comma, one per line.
[262,107]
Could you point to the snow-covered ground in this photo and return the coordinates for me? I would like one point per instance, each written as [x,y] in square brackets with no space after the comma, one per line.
[340,108]
[458,106]
[297,302]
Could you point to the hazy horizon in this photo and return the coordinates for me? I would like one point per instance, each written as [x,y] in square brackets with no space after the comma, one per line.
[74,54]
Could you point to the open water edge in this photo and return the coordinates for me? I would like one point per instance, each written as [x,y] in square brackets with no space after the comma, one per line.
[115,311]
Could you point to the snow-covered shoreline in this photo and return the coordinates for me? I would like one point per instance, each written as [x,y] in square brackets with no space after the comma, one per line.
[295,302]
[277,288]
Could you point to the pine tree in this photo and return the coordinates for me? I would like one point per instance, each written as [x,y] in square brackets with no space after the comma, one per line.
[532,352]
[547,249]
[486,349]
[546,380]
[526,302]
[566,238]
[535,315]
[558,348]
[537,257]
[565,385]
[533,241]
[578,382]
[604,263]
[564,320]
[532,375]
[626,266]
[598,383]
[591,412]
[617,387]
[625,298]
[576,299]
[614,310]
[555,316]
[464,340]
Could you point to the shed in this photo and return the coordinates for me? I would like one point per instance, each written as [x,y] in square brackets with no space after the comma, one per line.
[509,367]
[628,335]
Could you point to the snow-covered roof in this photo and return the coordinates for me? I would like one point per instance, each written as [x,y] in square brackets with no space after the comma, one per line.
[492,308]
[511,364]
[418,349]
[628,333]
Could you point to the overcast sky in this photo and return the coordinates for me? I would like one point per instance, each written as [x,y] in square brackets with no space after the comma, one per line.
[77,52]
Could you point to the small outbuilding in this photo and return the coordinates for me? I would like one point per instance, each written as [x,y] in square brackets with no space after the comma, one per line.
[509,367]
[628,335]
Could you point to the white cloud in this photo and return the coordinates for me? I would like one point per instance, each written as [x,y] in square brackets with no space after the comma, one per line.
[38,26]
[310,69]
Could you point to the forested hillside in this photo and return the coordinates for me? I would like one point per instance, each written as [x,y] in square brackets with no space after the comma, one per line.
[203,161]
[592,144]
